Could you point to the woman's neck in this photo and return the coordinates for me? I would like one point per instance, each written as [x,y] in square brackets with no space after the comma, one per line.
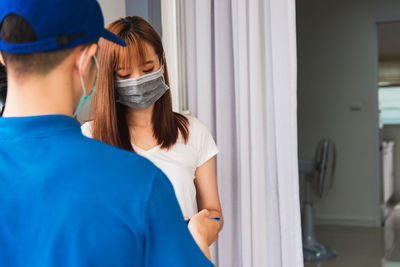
[140,118]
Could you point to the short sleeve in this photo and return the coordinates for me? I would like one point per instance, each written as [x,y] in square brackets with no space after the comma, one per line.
[168,240]
[86,129]
[204,141]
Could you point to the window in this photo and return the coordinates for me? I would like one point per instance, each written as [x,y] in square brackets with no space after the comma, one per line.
[389,101]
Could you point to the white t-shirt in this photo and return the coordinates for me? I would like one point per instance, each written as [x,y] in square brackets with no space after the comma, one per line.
[180,162]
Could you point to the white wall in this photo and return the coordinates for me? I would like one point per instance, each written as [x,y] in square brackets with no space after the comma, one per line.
[338,67]
[392,132]
[112,10]
[170,37]
[150,10]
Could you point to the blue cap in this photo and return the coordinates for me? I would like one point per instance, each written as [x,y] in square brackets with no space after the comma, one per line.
[58,24]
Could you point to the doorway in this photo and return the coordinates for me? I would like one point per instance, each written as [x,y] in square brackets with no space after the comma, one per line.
[389,114]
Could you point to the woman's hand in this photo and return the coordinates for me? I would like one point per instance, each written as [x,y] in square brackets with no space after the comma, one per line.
[204,229]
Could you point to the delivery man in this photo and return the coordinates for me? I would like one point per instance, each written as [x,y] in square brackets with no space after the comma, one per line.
[66,200]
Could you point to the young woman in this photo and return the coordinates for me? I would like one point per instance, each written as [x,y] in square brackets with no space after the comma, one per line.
[132,109]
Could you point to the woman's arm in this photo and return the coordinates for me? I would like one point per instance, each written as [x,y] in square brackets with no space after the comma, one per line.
[208,197]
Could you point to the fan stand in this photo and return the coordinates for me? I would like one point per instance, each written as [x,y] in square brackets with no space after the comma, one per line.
[312,250]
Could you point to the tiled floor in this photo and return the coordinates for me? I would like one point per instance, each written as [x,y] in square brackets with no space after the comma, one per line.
[362,246]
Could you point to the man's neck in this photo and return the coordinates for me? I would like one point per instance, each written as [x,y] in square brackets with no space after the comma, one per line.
[38,95]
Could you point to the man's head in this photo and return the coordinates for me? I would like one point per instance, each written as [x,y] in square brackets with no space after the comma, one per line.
[38,37]
[16,29]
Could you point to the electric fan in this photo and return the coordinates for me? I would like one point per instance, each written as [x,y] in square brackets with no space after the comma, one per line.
[319,173]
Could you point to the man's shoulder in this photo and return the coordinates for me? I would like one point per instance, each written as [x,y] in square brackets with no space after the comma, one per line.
[117,157]
[98,159]
[111,153]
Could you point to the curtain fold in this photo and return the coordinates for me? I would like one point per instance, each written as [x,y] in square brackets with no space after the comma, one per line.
[241,82]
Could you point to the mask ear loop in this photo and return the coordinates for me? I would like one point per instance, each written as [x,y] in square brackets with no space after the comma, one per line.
[80,71]
[162,67]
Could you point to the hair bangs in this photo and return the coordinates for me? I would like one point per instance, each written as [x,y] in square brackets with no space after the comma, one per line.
[135,50]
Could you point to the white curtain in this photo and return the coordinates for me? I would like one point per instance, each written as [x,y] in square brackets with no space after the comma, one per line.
[240,77]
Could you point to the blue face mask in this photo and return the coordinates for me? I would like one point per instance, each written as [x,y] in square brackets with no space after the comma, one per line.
[85,98]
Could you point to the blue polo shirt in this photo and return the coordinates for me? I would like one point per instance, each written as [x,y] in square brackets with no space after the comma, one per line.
[66,200]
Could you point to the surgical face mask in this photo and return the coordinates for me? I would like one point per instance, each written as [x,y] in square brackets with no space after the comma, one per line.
[141,92]
[85,98]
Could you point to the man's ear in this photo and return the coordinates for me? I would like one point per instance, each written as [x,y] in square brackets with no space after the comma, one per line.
[2,61]
[85,60]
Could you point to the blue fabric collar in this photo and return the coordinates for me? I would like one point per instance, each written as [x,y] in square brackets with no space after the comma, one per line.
[45,125]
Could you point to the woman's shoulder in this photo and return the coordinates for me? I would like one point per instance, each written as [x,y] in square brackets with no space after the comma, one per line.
[196,125]
[86,128]
[198,130]
[202,140]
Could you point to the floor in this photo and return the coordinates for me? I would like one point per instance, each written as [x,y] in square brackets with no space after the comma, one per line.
[362,246]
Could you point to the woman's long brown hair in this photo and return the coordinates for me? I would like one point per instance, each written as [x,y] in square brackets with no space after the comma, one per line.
[109,117]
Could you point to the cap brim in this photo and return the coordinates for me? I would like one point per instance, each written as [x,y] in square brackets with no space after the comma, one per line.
[113,38]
